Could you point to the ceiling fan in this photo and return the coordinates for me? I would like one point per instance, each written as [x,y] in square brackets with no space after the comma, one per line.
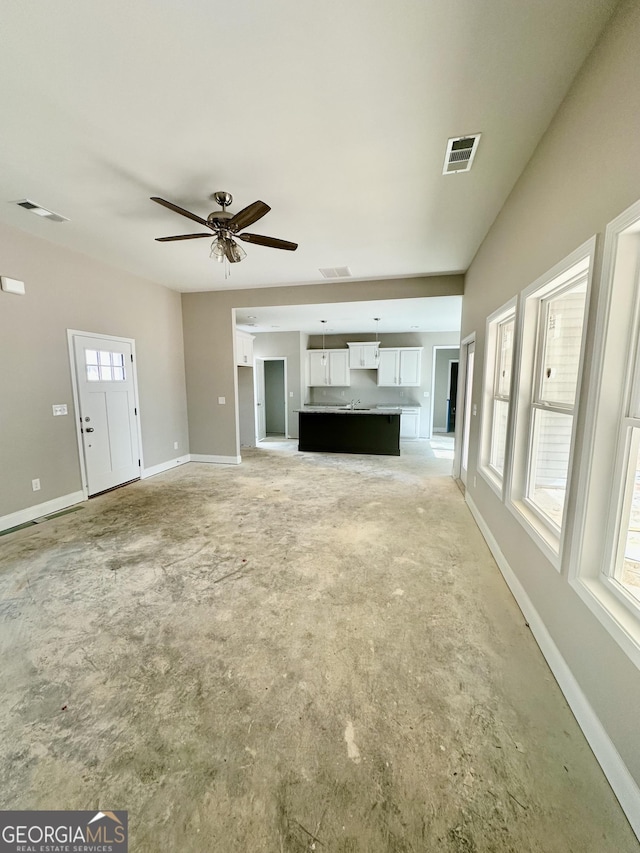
[226,227]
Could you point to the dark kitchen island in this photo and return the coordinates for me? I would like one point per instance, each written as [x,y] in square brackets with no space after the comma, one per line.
[332,429]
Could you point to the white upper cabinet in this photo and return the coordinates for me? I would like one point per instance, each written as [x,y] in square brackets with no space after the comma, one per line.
[334,372]
[401,366]
[363,355]
[244,349]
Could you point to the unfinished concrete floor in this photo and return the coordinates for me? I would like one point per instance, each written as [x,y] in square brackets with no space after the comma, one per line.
[302,652]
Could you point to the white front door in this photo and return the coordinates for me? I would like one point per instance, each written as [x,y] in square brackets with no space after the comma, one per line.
[107,411]
[261,412]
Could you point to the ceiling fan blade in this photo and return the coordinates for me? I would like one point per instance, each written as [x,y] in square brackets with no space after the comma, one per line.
[179,210]
[272,242]
[248,215]
[182,237]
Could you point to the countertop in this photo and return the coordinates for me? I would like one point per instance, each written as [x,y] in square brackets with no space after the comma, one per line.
[358,410]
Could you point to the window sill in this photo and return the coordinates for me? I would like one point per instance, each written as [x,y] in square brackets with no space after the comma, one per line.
[492,479]
[617,618]
[545,539]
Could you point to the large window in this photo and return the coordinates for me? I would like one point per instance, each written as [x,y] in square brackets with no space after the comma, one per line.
[551,325]
[605,555]
[557,364]
[498,366]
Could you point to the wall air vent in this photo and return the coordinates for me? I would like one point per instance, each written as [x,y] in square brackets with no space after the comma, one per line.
[32,207]
[335,272]
[460,153]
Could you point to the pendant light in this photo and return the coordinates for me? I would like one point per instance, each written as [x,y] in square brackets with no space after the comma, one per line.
[323,357]
[377,351]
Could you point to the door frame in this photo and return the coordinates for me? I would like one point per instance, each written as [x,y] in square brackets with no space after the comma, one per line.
[461,403]
[71,334]
[283,359]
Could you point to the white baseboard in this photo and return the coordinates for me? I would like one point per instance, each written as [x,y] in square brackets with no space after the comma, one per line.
[622,782]
[220,460]
[37,511]
[163,466]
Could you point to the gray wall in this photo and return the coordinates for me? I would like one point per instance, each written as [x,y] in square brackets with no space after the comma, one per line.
[364,385]
[209,325]
[67,290]
[246,407]
[581,176]
[284,345]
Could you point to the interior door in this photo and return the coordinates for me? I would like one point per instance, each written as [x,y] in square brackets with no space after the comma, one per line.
[261,416]
[468,396]
[108,412]
[453,395]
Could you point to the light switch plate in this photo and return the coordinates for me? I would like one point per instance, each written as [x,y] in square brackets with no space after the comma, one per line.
[222,401]
[11,285]
[59,409]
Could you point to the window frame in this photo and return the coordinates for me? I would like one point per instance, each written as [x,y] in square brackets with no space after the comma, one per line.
[492,361]
[547,535]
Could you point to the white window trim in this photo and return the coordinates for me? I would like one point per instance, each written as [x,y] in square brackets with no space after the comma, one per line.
[492,477]
[550,542]
[599,487]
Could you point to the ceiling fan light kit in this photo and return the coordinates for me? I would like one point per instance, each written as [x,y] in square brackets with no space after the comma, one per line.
[226,228]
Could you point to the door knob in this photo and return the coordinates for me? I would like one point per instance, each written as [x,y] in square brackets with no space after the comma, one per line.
[89,429]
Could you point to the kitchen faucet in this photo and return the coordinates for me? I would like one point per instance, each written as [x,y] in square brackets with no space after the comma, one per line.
[354,403]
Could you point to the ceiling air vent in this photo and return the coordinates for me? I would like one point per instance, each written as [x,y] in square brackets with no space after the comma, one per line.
[335,272]
[32,207]
[460,153]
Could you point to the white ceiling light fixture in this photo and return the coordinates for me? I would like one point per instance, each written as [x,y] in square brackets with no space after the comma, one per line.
[460,153]
[32,207]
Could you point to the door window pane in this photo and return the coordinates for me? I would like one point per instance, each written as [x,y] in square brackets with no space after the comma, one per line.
[549,463]
[104,366]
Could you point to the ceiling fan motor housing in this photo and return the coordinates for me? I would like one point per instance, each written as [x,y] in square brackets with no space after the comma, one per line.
[219,218]
[224,199]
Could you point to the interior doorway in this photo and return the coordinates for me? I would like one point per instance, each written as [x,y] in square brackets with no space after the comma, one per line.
[443,377]
[271,398]
[465,405]
[452,399]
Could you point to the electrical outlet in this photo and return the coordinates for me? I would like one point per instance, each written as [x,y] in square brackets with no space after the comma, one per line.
[35,485]
[175,445]
[291,393]
[474,481]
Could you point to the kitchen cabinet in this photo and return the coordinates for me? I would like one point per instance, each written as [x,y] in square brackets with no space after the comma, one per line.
[244,349]
[400,366]
[334,372]
[410,423]
[363,355]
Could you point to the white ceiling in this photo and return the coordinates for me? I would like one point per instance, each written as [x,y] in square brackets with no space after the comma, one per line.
[337,114]
[435,314]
